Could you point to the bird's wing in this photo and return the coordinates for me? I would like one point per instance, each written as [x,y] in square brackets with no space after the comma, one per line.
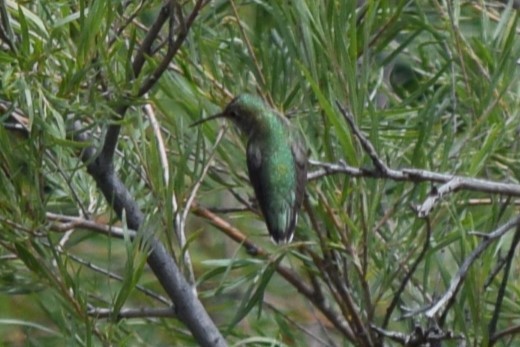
[279,202]
[277,211]
[300,162]
[254,167]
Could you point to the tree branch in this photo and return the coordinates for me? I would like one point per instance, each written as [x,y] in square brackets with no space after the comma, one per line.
[407,277]
[173,48]
[418,337]
[502,289]
[187,306]
[445,302]
[110,141]
[290,276]
[144,312]
[382,170]
[146,46]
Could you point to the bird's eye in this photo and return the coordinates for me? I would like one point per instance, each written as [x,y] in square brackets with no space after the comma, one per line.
[233,114]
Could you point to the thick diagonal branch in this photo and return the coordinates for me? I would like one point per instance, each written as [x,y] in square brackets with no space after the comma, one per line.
[187,306]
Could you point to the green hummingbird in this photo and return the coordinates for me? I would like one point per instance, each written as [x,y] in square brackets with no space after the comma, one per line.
[276,162]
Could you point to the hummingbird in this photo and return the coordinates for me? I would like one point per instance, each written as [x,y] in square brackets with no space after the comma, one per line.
[276,162]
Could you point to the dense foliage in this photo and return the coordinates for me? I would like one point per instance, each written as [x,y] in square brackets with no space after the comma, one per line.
[394,100]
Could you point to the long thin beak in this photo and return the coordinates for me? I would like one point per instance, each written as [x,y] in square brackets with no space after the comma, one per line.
[203,120]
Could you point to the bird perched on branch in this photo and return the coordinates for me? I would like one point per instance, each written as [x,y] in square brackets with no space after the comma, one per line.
[276,162]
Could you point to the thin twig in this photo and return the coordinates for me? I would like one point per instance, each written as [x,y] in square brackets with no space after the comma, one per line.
[514,330]
[127,313]
[64,223]
[500,263]
[226,210]
[117,277]
[418,336]
[145,49]
[172,50]
[365,143]
[436,196]
[163,157]
[345,302]
[68,180]
[444,303]
[198,182]
[232,232]
[354,313]
[180,221]
[330,275]
[502,290]
[407,277]
[127,20]
[180,233]
[290,276]
[298,326]
[112,135]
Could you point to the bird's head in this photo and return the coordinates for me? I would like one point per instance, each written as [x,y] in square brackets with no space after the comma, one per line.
[246,111]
